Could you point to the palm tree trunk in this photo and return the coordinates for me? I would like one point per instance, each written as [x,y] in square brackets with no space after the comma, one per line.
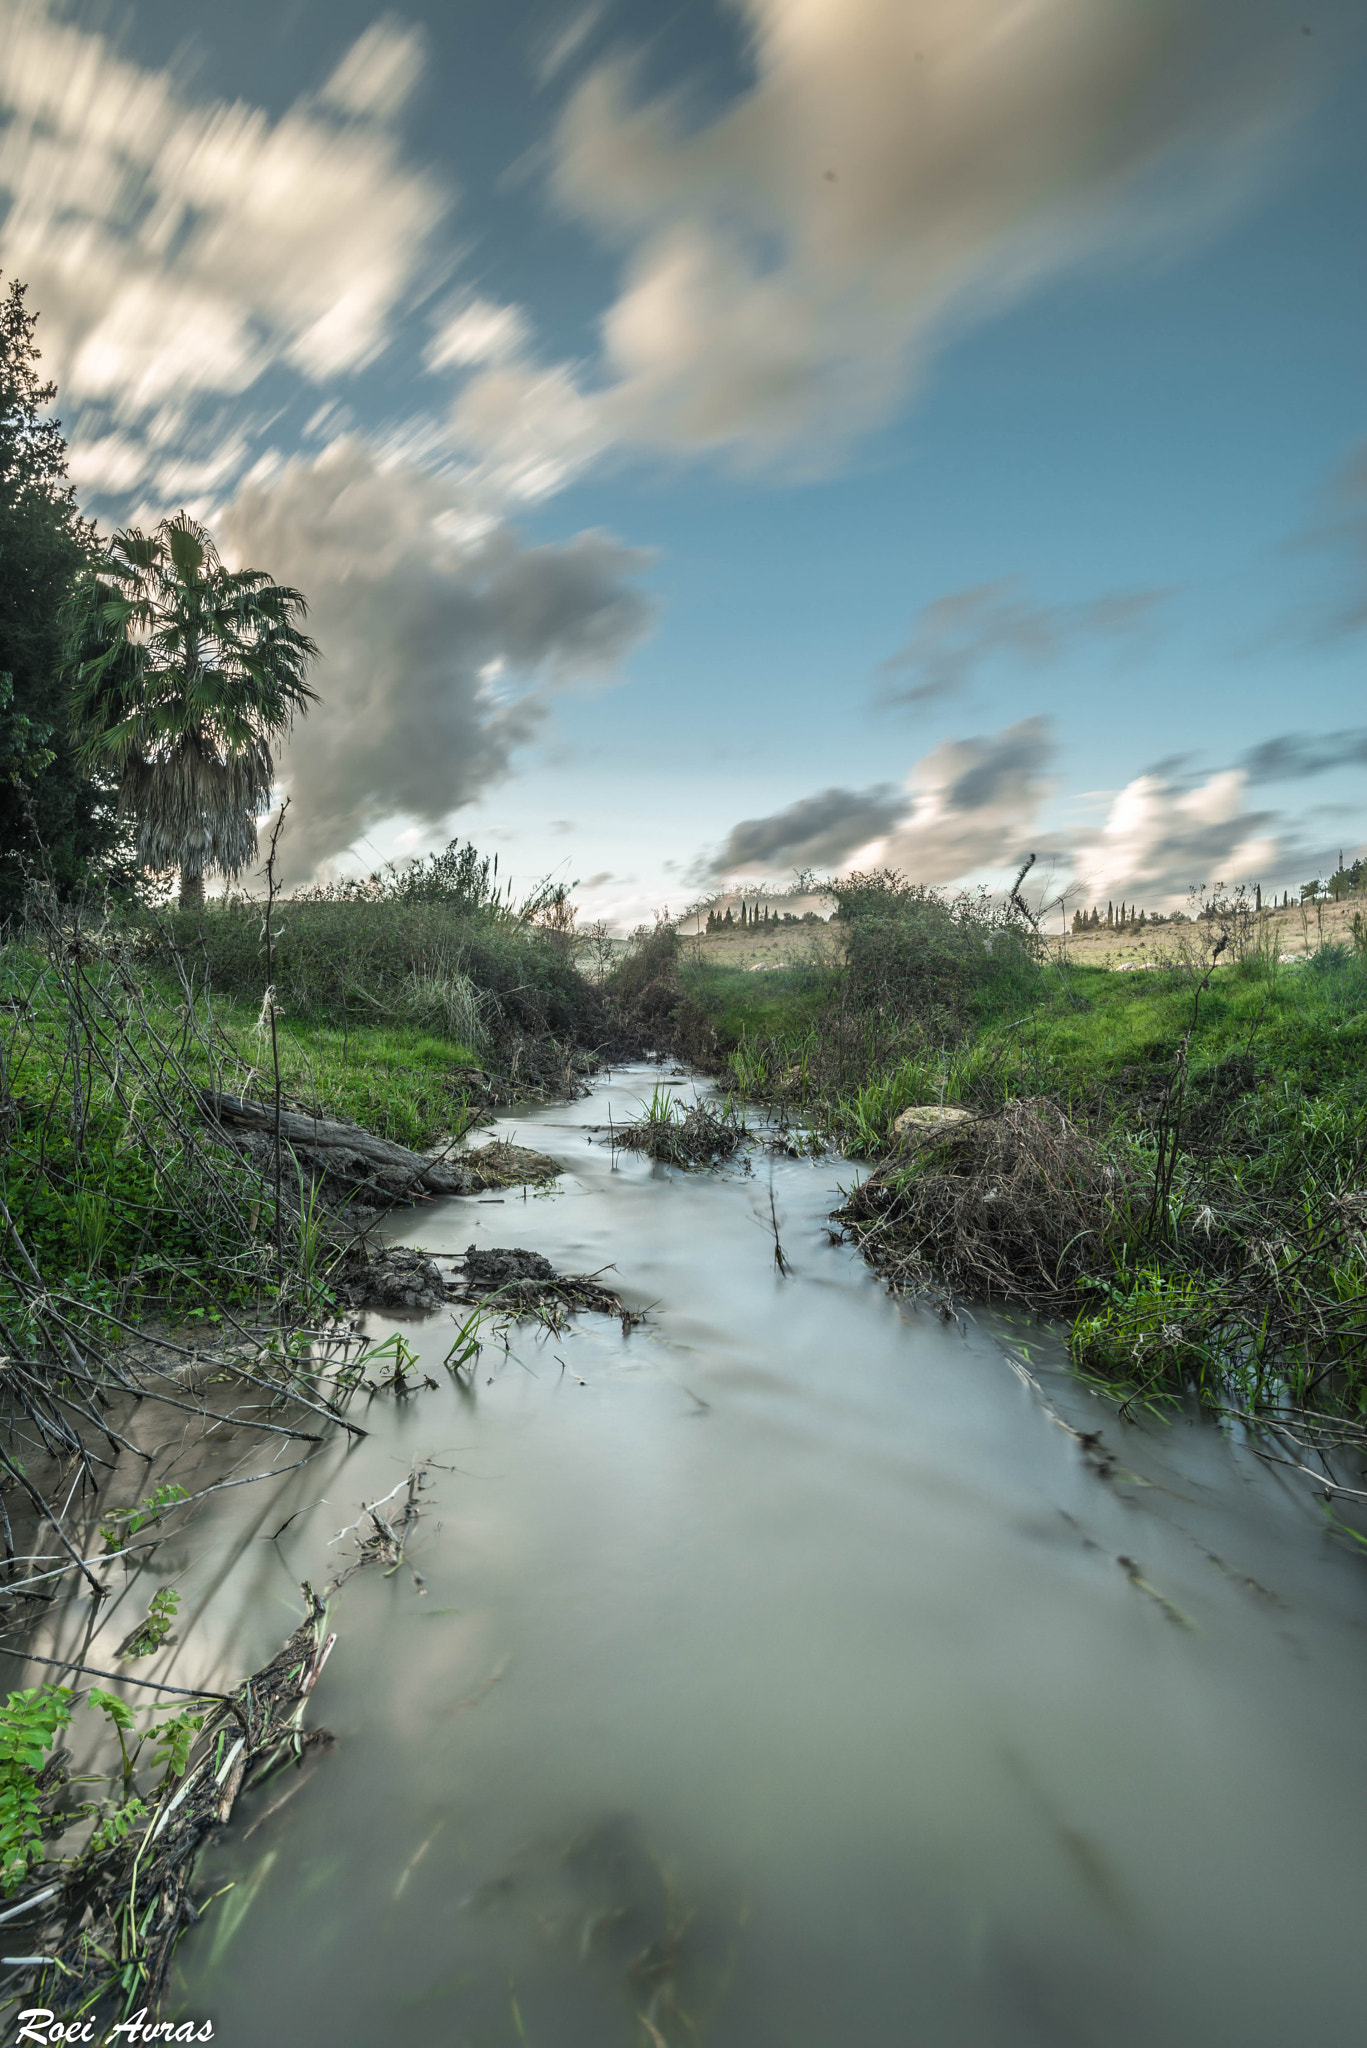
[191,891]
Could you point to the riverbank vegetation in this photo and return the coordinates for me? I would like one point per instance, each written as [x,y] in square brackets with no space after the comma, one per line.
[1172,1162]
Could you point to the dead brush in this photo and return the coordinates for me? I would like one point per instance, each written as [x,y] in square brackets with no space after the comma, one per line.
[1019,1205]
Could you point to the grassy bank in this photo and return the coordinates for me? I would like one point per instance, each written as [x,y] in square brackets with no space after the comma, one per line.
[1170,1161]
[116,1190]
[408,1005]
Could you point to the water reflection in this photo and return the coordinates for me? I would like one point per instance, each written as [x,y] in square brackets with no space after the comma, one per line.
[785,1675]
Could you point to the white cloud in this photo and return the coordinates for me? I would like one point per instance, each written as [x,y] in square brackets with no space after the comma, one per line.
[965,807]
[897,165]
[438,647]
[479,332]
[379,71]
[175,248]
[526,429]
[1159,840]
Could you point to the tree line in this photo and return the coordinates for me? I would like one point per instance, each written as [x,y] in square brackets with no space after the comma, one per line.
[756,917]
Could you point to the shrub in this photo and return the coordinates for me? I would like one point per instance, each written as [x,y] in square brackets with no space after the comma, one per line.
[433,946]
[928,960]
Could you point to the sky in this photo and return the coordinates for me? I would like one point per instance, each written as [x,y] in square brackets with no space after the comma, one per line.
[724,440]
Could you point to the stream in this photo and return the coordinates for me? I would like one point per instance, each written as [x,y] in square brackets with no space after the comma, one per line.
[785,1676]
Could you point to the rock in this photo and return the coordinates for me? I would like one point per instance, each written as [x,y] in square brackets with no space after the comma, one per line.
[927,1116]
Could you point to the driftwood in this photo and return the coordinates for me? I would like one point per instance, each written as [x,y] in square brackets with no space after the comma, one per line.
[343,1152]
[352,1161]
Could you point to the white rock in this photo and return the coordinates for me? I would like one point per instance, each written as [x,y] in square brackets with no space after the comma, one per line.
[929,1116]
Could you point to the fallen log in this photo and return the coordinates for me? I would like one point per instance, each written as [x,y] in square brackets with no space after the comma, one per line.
[347,1152]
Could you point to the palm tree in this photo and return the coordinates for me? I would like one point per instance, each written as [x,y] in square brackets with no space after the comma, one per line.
[183,673]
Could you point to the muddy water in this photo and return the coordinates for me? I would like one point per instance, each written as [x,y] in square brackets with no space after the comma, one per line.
[776,1666]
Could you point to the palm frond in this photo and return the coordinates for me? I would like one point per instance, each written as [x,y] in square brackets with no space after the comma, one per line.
[183,672]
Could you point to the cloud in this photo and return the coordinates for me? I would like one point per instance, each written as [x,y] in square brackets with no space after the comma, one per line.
[177,248]
[1293,756]
[526,429]
[953,636]
[477,332]
[561,45]
[973,805]
[897,167]
[964,807]
[975,801]
[439,648]
[1160,840]
[378,73]
[818,831]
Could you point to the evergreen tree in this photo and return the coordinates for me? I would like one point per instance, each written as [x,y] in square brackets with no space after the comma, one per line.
[54,814]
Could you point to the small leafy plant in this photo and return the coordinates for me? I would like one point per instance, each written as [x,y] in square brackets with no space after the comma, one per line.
[121,1528]
[29,1724]
[157,1627]
[120,1716]
[115,1825]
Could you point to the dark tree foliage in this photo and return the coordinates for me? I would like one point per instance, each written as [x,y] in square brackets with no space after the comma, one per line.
[53,816]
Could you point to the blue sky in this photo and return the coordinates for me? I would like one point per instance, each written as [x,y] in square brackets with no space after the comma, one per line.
[718,440]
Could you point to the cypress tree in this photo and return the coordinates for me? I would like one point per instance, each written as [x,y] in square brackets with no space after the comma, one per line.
[51,811]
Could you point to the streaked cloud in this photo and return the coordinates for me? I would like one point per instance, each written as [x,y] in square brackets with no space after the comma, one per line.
[897,168]
[442,637]
[377,75]
[1293,756]
[1161,839]
[974,806]
[525,429]
[177,247]
[818,831]
[974,802]
[964,806]
[957,634]
[558,47]
[477,332]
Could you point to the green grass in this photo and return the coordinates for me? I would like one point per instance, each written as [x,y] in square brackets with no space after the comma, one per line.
[401,1082]
[1306,1026]
[107,1200]
[1234,1118]
[779,1002]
